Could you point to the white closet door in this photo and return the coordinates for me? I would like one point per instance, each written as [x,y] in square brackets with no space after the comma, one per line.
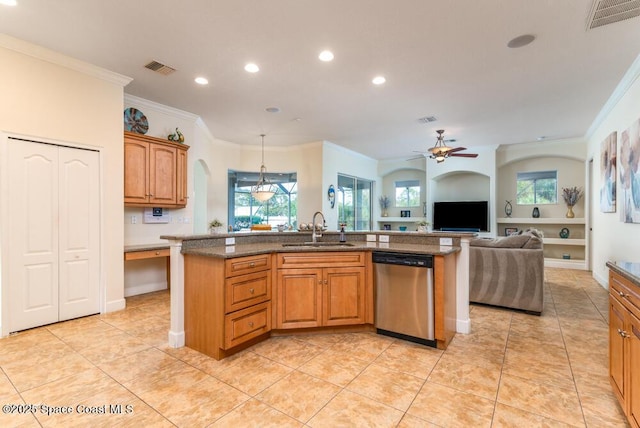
[79,224]
[33,234]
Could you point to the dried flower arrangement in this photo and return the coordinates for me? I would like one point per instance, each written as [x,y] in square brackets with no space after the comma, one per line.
[385,202]
[571,195]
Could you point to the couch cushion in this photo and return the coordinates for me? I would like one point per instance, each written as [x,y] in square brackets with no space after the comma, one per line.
[513,241]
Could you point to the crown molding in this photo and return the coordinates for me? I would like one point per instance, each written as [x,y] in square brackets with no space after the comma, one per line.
[144,103]
[628,79]
[56,58]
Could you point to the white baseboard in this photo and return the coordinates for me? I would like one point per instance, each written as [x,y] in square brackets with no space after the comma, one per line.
[134,290]
[463,326]
[176,339]
[115,305]
[604,282]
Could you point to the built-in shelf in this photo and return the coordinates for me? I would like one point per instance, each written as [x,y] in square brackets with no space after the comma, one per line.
[399,219]
[561,241]
[540,220]
[553,246]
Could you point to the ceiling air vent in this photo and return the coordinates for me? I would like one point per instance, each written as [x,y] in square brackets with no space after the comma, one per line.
[161,68]
[605,12]
[428,119]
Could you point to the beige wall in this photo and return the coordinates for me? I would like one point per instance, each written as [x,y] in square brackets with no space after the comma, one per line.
[42,99]
[611,238]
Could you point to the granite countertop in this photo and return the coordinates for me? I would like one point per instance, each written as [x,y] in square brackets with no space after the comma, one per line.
[145,247]
[252,249]
[629,270]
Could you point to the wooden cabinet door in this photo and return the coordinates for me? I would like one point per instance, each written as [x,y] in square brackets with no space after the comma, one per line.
[343,296]
[616,348]
[162,174]
[181,178]
[299,298]
[136,171]
[633,355]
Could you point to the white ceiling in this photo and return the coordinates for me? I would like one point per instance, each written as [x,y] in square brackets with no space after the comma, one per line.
[443,58]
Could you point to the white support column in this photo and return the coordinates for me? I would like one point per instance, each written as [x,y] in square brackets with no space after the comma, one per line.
[463,324]
[176,331]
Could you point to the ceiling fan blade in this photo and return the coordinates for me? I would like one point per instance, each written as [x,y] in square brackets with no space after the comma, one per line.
[457,149]
[416,157]
[464,155]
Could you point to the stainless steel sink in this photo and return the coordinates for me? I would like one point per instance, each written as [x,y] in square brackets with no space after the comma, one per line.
[318,244]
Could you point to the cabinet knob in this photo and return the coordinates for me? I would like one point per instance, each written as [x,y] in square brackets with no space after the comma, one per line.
[326,282]
[621,294]
[252,264]
[157,253]
[623,333]
[251,290]
[250,323]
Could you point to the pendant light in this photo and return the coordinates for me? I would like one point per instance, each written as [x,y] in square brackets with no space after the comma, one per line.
[263,190]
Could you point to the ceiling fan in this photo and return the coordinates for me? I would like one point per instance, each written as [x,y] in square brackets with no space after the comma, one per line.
[440,151]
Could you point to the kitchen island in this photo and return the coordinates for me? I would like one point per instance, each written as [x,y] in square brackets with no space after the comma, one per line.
[232,290]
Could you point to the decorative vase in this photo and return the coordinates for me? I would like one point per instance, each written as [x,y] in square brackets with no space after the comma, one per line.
[508,209]
[570,213]
[384,213]
[217,230]
[535,213]
[423,229]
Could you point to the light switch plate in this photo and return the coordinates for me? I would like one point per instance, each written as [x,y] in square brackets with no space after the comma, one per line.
[371,238]
[230,241]
[384,238]
[446,241]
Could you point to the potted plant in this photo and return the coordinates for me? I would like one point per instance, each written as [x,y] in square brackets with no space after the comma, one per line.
[385,202]
[571,196]
[423,226]
[216,226]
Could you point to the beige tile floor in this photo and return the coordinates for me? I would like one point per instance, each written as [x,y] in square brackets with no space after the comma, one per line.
[513,370]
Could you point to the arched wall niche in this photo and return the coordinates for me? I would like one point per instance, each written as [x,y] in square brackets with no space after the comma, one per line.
[461,186]
[401,174]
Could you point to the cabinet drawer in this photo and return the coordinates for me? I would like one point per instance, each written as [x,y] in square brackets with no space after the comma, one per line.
[246,290]
[321,259]
[249,264]
[627,293]
[149,254]
[246,324]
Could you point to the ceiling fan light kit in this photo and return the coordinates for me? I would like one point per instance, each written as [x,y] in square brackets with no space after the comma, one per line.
[441,151]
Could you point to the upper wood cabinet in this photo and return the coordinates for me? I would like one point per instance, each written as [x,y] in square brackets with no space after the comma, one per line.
[155,172]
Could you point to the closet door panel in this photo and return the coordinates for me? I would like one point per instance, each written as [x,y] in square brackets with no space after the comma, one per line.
[33,234]
[79,232]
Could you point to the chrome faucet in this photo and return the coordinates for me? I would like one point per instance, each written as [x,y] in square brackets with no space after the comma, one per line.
[315,235]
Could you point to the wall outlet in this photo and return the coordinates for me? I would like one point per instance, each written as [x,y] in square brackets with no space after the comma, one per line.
[384,238]
[187,220]
[134,219]
[371,238]
[230,241]
[446,241]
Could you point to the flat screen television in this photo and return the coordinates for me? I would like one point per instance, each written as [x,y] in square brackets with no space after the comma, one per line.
[464,216]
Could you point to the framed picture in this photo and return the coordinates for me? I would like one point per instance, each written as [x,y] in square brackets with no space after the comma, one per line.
[405,213]
[387,227]
[508,231]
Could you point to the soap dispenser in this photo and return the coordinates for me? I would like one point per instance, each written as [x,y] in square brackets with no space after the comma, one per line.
[343,237]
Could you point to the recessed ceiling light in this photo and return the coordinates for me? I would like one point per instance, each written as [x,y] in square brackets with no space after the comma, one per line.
[521,41]
[326,56]
[273,109]
[251,68]
[378,80]
[541,138]
[8,2]
[201,81]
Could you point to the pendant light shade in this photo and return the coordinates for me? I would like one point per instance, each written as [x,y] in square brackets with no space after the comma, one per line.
[263,190]
[440,151]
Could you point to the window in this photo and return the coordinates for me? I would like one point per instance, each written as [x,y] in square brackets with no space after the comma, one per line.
[353,198]
[244,210]
[537,187]
[408,193]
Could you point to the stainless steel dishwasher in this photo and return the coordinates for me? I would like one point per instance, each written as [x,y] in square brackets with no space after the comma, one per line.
[404,296]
